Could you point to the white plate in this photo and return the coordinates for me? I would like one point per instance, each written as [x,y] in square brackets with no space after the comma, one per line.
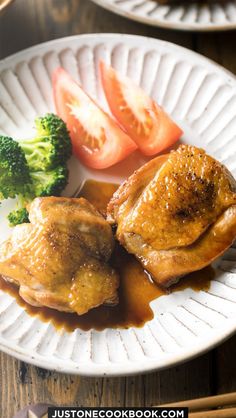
[184,15]
[201,97]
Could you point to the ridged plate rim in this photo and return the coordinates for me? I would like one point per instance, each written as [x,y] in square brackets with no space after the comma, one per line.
[174,25]
[127,367]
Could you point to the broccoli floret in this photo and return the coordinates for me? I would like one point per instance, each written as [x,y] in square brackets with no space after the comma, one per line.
[19,216]
[50,147]
[34,167]
[44,183]
[50,183]
[14,172]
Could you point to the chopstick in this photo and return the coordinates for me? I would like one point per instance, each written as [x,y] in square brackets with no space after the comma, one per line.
[210,402]
[216,413]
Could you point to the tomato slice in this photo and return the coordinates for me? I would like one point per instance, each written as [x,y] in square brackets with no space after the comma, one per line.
[145,122]
[98,141]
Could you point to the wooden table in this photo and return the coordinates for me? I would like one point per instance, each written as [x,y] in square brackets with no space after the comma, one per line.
[29,22]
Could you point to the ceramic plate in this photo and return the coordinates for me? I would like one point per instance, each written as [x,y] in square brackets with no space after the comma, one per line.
[201,97]
[184,15]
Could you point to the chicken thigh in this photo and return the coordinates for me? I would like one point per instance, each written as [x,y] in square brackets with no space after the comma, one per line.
[177,213]
[59,259]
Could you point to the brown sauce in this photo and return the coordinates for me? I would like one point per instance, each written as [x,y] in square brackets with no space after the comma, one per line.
[98,193]
[136,288]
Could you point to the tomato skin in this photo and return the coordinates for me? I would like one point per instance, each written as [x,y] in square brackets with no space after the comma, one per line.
[98,141]
[147,124]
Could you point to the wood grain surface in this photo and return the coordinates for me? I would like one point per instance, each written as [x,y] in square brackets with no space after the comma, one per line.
[28,22]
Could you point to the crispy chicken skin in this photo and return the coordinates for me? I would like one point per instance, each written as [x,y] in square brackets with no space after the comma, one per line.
[177,213]
[59,259]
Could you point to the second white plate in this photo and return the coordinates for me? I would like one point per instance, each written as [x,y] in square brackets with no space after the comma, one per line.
[184,15]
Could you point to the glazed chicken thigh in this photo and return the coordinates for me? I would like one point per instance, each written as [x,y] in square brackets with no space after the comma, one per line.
[177,213]
[59,259]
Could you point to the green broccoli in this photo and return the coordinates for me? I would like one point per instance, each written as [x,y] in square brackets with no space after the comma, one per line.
[50,183]
[34,167]
[14,172]
[50,147]
[44,183]
[18,216]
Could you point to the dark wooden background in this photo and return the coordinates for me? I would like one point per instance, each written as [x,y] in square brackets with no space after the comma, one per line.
[28,22]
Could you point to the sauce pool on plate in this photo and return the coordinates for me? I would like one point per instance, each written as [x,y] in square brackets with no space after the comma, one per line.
[136,290]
